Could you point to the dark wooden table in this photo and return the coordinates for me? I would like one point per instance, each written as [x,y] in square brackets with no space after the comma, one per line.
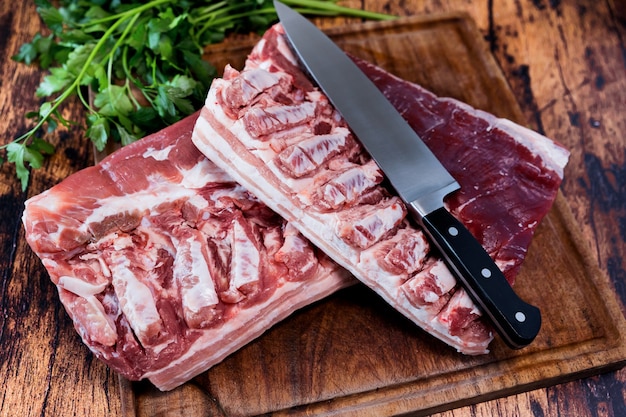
[565,62]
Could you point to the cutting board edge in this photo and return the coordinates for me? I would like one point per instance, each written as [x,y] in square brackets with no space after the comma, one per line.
[556,368]
[600,279]
[381,402]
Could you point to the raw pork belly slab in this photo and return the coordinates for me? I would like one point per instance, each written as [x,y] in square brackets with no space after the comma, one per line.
[165,264]
[277,135]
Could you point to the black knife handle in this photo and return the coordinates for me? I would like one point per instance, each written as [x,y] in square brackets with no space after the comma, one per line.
[515,321]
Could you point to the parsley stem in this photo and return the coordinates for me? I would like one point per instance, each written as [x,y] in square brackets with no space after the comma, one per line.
[135,10]
[316,6]
[130,78]
[215,22]
[208,12]
[115,48]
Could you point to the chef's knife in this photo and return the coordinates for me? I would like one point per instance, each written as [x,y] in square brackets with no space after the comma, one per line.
[415,173]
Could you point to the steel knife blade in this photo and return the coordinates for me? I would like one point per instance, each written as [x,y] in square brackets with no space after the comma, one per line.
[415,173]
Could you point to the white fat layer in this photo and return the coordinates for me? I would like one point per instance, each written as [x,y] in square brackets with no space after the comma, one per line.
[212,348]
[443,277]
[245,259]
[135,298]
[460,299]
[141,201]
[81,287]
[504,264]
[102,327]
[201,174]
[155,239]
[198,201]
[50,264]
[285,51]
[122,242]
[191,271]
[294,242]
[357,180]
[158,154]
[53,203]
[319,146]
[377,222]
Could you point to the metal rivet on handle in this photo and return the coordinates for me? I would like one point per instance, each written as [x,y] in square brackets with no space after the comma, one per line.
[486,273]
[453,231]
[521,317]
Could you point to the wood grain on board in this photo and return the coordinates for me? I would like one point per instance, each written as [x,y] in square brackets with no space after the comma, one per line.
[351,354]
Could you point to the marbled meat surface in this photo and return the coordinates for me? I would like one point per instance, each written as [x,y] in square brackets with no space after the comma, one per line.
[271,129]
[165,264]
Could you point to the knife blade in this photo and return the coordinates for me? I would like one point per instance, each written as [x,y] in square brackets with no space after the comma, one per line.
[415,173]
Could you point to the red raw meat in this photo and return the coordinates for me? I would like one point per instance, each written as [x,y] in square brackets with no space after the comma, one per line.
[165,264]
[278,136]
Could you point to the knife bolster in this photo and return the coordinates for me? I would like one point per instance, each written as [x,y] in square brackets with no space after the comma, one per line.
[427,203]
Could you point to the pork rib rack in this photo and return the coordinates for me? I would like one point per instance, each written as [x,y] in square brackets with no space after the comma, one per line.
[278,136]
[165,264]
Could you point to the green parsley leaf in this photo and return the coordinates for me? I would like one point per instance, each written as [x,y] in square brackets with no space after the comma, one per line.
[98,131]
[58,79]
[113,100]
[43,146]
[141,60]
[51,17]
[27,52]
[125,137]
[15,154]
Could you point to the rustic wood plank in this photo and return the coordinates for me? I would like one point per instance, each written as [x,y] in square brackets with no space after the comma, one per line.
[540,45]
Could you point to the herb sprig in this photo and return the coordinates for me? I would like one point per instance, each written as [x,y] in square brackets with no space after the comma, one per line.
[140,61]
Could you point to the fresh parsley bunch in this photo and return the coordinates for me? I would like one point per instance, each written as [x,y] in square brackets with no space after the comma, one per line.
[135,66]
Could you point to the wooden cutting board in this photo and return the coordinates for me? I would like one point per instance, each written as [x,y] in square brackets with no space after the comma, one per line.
[353,355]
